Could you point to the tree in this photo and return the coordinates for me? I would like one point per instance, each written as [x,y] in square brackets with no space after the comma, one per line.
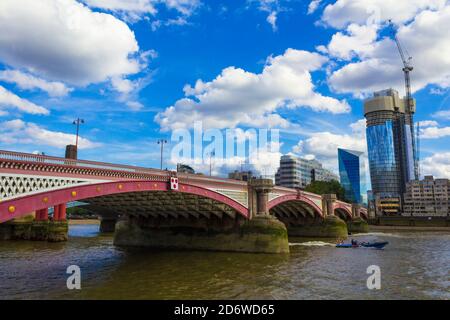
[327,187]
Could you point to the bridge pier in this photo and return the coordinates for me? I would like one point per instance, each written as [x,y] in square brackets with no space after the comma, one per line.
[261,233]
[327,226]
[212,234]
[357,224]
[37,226]
[107,224]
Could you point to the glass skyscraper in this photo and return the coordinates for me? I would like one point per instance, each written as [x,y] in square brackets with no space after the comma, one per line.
[352,175]
[389,143]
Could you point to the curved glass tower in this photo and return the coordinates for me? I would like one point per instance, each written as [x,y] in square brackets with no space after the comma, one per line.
[389,143]
[352,175]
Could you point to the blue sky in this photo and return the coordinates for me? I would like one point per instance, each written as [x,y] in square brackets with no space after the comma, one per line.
[303,67]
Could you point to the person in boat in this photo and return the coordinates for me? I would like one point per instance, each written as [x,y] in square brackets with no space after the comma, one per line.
[354,242]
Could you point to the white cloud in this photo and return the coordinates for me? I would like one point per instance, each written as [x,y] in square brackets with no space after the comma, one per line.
[237,97]
[272,20]
[437,165]
[443,114]
[30,82]
[313,6]
[344,12]
[323,145]
[379,66]
[428,123]
[429,129]
[65,41]
[434,132]
[135,105]
[20,132]
[134,7]
[357,40]
[273,8]
[263,161]
[134,10]
[10,100]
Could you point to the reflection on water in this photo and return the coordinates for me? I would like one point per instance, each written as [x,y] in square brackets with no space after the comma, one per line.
[413,265]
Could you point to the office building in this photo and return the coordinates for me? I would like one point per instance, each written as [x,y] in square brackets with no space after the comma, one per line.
[295,172]
[389,144]
[427,197]
[352,175]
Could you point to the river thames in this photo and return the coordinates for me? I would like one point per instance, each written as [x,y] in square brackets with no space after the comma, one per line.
[415,265]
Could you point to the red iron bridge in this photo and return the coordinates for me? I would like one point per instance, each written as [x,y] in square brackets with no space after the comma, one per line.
[37,184]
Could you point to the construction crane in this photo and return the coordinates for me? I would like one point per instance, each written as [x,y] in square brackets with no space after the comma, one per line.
[409,107]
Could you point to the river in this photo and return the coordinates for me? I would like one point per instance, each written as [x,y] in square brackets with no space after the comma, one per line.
[415,265]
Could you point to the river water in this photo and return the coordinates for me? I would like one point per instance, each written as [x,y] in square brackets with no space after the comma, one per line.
[415,265]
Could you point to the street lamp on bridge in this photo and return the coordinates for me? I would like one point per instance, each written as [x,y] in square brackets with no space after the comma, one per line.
[77,123]
[162,142]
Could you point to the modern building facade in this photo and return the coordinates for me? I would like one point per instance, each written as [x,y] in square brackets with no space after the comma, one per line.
[297,173]
[390,144]
[427,197]
[352,175]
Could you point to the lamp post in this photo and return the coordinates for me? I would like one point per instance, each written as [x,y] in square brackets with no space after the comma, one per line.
[77,123]
[211,154]
[162,142]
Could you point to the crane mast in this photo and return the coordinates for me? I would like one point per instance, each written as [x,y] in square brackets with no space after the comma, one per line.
[409,107]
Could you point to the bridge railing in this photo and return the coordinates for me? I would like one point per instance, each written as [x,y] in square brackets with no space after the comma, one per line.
[42,159]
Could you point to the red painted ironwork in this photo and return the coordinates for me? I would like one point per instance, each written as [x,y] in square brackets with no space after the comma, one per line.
[295,197]
[344,207]
[18,207]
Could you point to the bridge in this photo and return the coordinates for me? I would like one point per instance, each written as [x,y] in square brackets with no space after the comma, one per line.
[31,184]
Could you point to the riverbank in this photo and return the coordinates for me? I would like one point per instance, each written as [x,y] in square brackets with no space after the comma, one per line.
[373,228]
[83,221]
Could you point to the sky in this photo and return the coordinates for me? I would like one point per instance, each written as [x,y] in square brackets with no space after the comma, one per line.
[136,70]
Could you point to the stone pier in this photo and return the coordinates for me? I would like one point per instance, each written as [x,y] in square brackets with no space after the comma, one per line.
[357,224]
[37,226]
[259,234]
[328,226]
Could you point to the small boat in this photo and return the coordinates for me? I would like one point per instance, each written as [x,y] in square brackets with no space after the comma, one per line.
[377,245]
[346,245]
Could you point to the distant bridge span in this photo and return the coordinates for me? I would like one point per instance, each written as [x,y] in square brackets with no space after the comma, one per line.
[33,183]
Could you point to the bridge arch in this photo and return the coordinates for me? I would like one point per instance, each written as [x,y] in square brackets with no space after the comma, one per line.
[294,203]
[15,208]
[343,211]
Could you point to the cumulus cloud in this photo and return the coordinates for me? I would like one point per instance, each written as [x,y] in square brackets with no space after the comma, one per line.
[434,132]
[323,145]
[355,42]
[66,41]
[10,100]
[376,63]
[20,132]
[238,97]
[344,12]
[437,165]
[29,82]
[261,161]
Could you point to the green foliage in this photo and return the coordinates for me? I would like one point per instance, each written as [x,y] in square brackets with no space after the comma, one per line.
[78,211]
[327,187]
